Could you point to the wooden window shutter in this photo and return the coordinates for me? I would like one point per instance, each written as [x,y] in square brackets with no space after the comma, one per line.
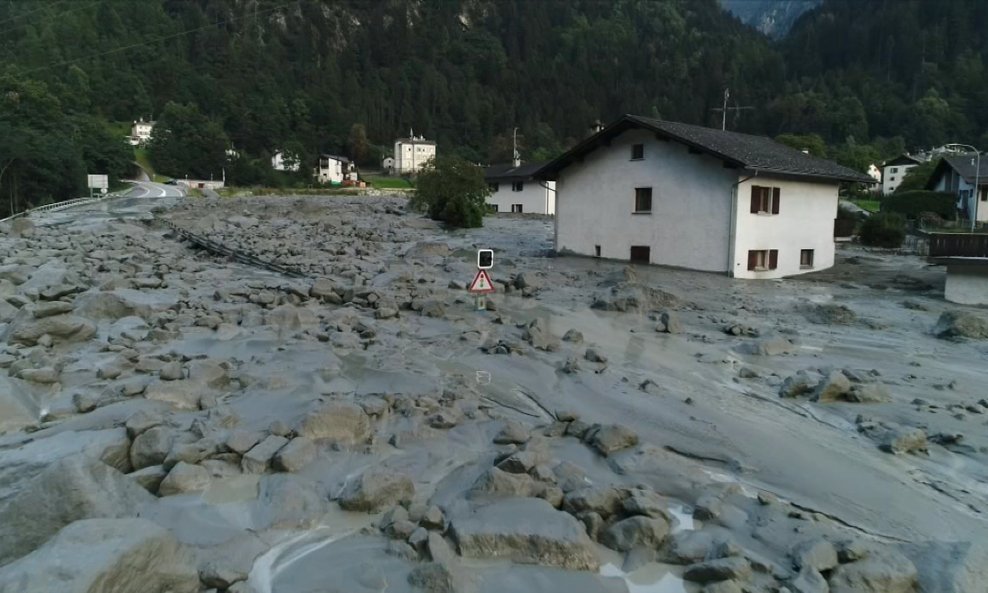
[776,194]
[754,199]
[773,259]
[752,259]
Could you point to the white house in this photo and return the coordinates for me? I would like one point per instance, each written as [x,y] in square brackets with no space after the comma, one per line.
[140,132]
[333,169]
[894,171]
[514,188]
[388,165]
[680,195]
[284,161]
[411,153]
[956,174]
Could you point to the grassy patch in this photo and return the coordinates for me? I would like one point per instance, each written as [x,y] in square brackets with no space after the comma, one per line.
[142,159]
[869,205]
[388,182]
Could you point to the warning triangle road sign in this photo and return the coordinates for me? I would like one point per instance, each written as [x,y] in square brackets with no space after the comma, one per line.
[481,283]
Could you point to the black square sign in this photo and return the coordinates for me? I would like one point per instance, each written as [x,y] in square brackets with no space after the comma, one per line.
[485,259]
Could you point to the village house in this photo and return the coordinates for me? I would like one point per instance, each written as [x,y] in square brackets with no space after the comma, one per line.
[411,153]
[388,165]
[956,174]
[282,161]
[514,188]
[660,192]
[140,132]
[894,171]
[334,169]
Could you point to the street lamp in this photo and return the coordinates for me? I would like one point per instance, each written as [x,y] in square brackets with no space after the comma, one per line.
[977,171]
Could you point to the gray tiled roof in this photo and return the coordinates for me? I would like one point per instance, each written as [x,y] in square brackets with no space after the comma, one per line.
[509,171]
[964,164]
[745,151]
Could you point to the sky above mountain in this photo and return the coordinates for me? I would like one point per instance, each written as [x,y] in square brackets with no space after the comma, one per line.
[772,17]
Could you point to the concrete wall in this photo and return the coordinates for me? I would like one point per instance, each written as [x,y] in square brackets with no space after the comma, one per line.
[892,176]
[410,156]
[967,285]
[805,221]
[691,204]
[534,198]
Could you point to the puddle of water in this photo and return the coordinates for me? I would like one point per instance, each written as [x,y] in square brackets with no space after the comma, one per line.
[649,578]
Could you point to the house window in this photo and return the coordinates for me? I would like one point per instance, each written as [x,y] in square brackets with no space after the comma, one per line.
[518,186]
[516,208]
[641,253]
[805,258]
[763,259]
[637,152]
[895,169]
[984,195]
[596,250]
[643,200]
[765,200]
[494,186]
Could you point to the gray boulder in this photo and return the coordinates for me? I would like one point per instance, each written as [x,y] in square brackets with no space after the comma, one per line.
[955,325]
[295,455]
[834,387]
[497,482]
[338,422]
[184,478]
[669,323]
[258,459]
[104,555]
[612,438]
[799,384]
[635,532]
[882,571]
[513,433]
[603,500]
[27,330]
[722,569]
[524,530]
[773,346]
[17,408]
[68,490]
[818,554]
[151,447]
[376,489]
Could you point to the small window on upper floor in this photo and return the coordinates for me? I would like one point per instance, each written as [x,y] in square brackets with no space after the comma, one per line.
[637,152]
[518,186]
[643,200]
[765,200]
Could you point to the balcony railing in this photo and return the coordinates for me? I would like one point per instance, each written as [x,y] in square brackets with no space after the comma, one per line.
[958,245]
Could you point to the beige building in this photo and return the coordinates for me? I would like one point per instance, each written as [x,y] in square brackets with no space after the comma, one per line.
[411,153]
[140,132]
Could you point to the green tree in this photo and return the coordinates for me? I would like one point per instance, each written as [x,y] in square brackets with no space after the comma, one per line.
[917,177]
[103,150]
[452,190]
[357,144]
[186,142]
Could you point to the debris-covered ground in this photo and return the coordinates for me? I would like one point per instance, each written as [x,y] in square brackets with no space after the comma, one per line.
[175,422]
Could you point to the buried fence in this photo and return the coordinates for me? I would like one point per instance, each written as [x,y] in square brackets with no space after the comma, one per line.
[234,254]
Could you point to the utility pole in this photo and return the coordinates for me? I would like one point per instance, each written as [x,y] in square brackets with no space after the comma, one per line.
[515,157]
[723,110]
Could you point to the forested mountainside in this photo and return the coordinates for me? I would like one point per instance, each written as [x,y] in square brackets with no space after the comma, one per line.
[772,17]
[868,77]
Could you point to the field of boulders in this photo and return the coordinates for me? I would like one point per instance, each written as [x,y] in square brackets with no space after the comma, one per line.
[172,421]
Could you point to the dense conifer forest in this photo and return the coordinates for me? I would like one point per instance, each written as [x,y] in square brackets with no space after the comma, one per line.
[856,80]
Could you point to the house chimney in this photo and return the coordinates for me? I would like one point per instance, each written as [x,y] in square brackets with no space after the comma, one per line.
[596,126]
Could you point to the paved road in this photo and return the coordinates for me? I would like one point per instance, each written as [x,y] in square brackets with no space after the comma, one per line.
[149,189]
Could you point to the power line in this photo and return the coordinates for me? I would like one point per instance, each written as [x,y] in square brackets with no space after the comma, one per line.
[155,40]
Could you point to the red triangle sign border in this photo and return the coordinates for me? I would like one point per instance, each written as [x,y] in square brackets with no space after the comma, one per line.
[482,283]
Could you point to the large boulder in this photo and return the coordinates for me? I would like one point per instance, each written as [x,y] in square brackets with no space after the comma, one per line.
[183,478]
[292,318]
[338,422]
[524,530]
[834,387]
[635,532]
[376,489]
[70,489]
[105,555]
[612,438]
[26,329]
[882,571]
[17,407]
[721,569]
[955,325]
[151,447]
[112,305]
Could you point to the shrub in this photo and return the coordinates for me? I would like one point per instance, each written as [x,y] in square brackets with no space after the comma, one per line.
[845,213]
[913,203]
[452,190]
[886,229]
